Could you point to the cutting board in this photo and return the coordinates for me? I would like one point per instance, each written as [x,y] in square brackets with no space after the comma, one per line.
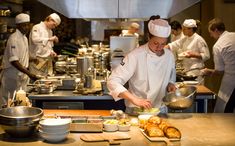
[110,137]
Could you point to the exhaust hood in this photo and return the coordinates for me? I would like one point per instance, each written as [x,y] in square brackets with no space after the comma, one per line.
[108,9]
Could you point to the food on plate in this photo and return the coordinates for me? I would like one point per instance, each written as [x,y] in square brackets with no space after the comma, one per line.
[151,111]
[111,121]
[154,120]
[153,131]
[157,127]
[172,132]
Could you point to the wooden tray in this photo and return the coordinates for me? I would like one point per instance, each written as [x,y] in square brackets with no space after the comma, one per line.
[164,139]
[110,137]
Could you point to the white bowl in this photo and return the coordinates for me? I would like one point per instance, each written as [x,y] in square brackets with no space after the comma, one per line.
[143,119]
[54,125]
[124,127]
[53,137]
[110,127]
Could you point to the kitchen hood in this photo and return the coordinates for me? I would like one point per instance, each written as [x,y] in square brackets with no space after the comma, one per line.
[123,9]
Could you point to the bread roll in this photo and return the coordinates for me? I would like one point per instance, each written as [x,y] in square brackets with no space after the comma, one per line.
[154,120]
[154,131]
[172,132]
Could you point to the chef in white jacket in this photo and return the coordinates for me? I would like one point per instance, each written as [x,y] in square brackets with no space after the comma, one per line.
[15,75]
[224,60]
[148,69]
[41,42]
[192,48]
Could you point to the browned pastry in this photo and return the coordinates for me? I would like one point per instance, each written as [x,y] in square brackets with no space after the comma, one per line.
[154,131]
[172,132]
[163,124]
[154,120]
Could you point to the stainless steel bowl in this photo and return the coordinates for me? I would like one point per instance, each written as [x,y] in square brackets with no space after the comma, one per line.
[182,101]
[20,121]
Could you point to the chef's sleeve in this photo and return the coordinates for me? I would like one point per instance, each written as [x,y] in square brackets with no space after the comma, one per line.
[204,50]
[13,50]
[218,60]
[120,75]
[37,37]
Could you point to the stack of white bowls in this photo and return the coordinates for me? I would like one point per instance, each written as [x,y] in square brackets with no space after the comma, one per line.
[54,130]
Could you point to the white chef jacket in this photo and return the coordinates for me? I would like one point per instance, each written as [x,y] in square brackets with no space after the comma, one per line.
[194,43]
[224,60]
[147,74]
[12,78]
[177,37]
[38,41]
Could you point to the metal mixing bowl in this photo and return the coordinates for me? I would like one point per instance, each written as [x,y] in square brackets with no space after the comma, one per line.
[182,101]
[20,121]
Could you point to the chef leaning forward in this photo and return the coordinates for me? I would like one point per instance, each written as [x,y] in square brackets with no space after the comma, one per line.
[148,69]
[224,60]
[41,42]
[16,60]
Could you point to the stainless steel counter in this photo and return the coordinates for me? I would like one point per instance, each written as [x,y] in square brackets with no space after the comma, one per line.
[196,129]
[203,94]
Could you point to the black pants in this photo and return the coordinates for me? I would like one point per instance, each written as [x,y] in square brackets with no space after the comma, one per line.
[230,104]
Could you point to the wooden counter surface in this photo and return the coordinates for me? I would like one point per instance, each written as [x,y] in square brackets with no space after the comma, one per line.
[197,130]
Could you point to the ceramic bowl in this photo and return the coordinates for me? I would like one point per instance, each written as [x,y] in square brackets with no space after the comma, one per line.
[124,127]
[53,137]
[54,125]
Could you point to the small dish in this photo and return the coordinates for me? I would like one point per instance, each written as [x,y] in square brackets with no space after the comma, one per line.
[124,127]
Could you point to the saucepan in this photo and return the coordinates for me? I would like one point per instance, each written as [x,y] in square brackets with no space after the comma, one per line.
[182,100]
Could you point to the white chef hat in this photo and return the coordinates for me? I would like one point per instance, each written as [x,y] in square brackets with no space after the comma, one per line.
[190,23]
[56,18]
[159,27]
[135,25]
[22,18]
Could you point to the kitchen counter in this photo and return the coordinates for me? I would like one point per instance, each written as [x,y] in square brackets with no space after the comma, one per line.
[197,129]
[203,93]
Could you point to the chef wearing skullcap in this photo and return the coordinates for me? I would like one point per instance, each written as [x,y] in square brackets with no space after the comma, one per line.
[148,69]
[192,49]
[41,42]
[15,75]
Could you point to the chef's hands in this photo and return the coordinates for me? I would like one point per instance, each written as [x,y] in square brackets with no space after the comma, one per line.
[34,77]
[192,54]
[207,72]
[143,103]
[54,39]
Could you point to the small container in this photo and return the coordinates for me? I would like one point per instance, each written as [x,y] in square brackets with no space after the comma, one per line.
[124,127]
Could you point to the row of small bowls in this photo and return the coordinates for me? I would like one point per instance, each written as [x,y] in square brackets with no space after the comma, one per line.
[54,130]
[113,125]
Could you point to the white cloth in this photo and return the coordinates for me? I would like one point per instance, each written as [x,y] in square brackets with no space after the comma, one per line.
[224,59]
[194,43]
[40,47]
[22,18]
[16,50]
[190,23]
[38,41]
[146,73]
[159,28]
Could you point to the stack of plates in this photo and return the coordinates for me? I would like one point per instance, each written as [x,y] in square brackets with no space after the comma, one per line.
[54,130]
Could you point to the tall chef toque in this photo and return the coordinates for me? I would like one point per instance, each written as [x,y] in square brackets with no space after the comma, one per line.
[159,28]
[190,23]
[22,18]
[56,18]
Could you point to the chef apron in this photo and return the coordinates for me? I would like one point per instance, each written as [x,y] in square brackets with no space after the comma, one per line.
[225,91]
[17,80]
[43,66]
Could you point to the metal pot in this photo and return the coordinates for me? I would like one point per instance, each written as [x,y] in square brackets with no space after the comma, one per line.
[20,121]
[182,101]
[45,89]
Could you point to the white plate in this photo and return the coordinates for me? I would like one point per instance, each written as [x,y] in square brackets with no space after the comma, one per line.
[191,82]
